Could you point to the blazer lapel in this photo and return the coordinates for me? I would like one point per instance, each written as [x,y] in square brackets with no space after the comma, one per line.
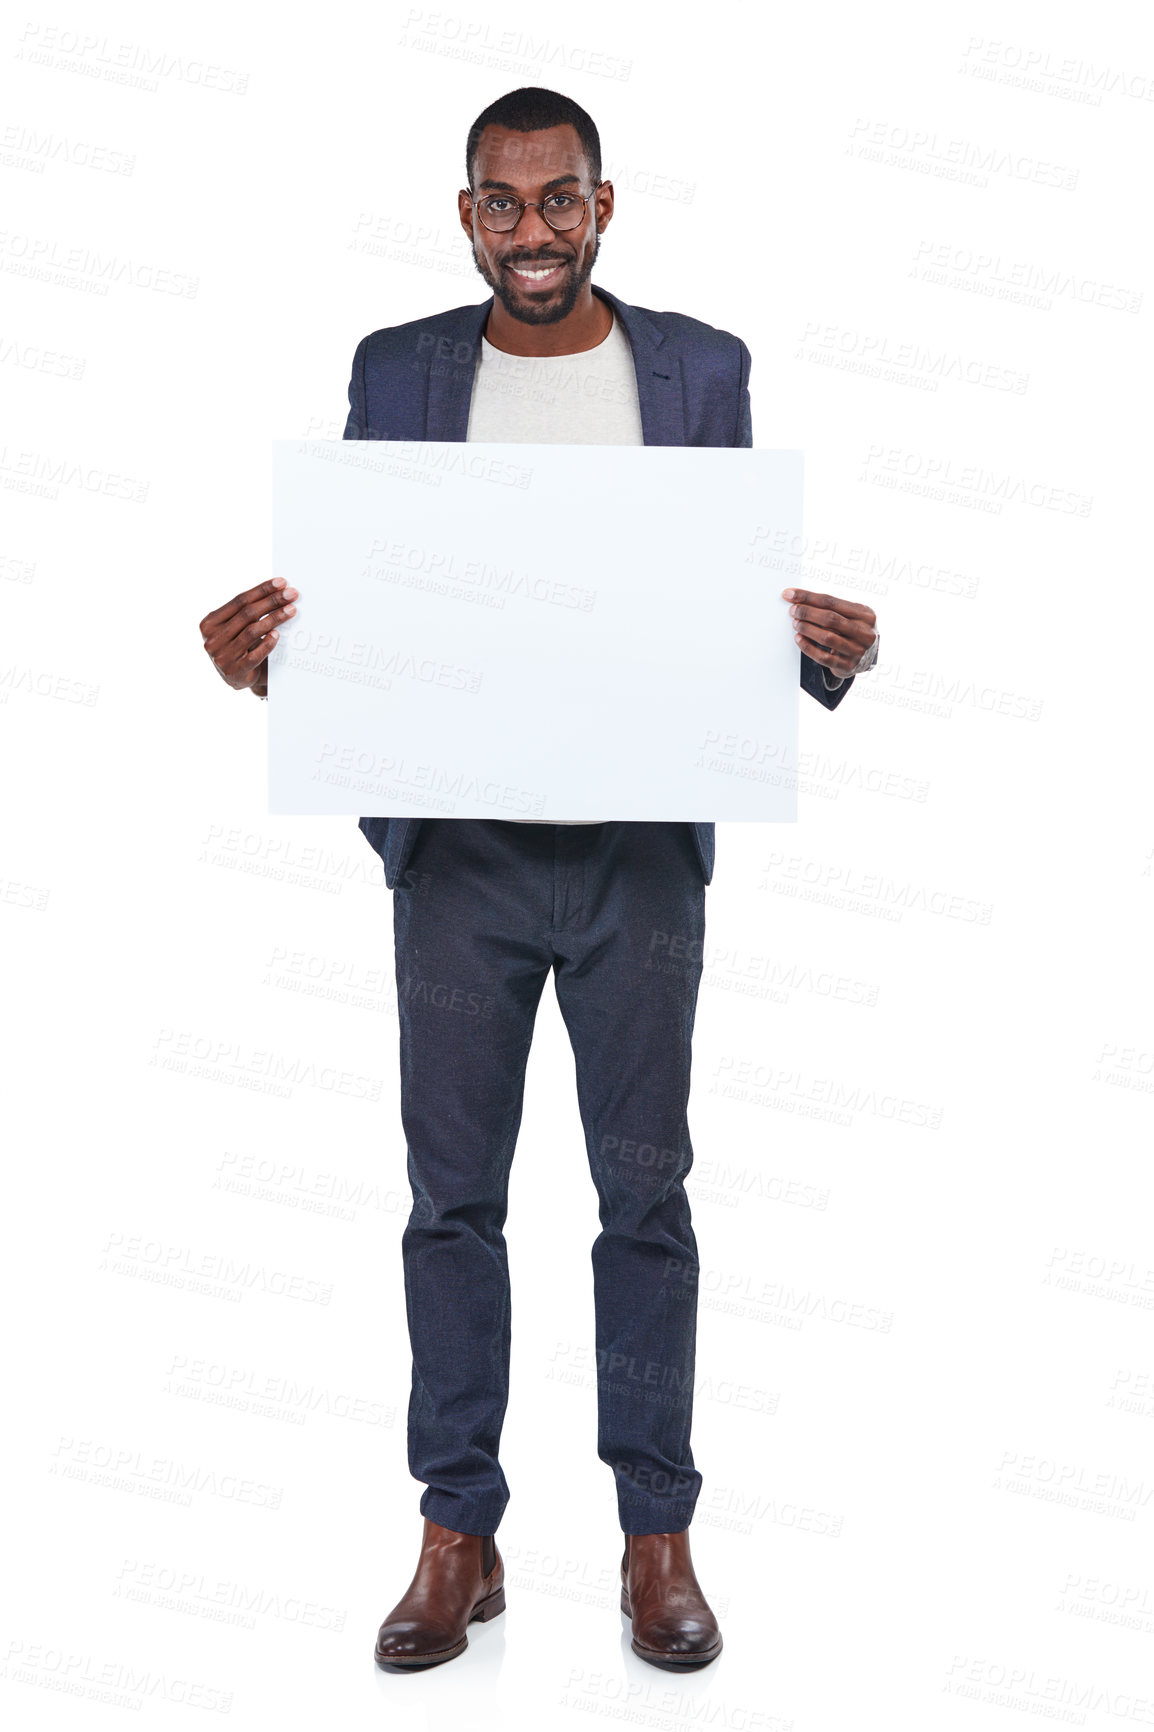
[659,392]
[450,374]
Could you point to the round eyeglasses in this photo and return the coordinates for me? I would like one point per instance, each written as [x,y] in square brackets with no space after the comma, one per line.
[502,211]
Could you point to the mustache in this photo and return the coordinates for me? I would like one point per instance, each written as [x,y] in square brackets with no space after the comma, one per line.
[531,263]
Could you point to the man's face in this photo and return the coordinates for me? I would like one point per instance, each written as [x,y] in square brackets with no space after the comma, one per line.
[532,165]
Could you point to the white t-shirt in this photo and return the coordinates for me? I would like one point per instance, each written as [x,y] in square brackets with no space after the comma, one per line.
[585,399]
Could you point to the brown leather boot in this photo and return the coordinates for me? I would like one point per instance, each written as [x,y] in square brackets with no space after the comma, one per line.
[460,1578]
[673,1626]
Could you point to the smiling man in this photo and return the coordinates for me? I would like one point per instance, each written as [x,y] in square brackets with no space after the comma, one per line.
[485,911]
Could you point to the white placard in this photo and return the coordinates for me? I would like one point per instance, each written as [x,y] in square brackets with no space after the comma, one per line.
[535,631]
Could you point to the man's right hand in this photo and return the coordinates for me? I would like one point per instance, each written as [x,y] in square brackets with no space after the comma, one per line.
[240,635]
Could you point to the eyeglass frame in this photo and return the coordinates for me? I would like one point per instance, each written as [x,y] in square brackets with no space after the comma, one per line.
[525,204]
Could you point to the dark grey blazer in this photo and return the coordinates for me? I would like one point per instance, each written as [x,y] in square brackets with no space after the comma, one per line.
[415,381]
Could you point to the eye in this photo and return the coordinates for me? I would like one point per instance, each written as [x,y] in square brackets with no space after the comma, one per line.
[495,203]
[561,200]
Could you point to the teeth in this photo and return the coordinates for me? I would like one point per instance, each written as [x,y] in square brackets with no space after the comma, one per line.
[533,275]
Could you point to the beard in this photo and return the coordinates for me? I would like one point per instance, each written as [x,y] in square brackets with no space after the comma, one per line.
[560,304]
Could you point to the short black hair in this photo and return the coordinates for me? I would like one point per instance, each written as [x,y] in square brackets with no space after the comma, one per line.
[532,109]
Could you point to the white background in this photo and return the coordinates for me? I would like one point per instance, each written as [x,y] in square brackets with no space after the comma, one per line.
[923,1057]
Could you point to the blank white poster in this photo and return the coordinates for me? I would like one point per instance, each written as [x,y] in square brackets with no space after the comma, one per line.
[535,631]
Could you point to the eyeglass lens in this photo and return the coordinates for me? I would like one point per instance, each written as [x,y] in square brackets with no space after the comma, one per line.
[501,212]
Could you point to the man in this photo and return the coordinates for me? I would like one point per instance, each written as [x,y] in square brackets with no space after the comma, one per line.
[489,908]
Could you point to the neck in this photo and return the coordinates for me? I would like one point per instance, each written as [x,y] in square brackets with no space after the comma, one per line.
[588,324]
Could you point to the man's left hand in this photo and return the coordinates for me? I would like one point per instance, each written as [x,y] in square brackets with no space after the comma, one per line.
[839,634]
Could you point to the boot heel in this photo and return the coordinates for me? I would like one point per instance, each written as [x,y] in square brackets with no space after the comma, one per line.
[489,1608]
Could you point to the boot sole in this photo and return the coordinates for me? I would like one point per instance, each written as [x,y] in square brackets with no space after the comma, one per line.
[481,1613]
[670,1662]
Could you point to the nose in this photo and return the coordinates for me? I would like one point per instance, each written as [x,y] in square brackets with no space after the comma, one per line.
[532,229]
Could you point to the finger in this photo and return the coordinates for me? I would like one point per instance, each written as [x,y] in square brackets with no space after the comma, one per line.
[812,598]
[243,666]
[260,651]
[247,625]
[238,651]
[838,660]
[846,642]
[220,615]
[830,628]
[830,620]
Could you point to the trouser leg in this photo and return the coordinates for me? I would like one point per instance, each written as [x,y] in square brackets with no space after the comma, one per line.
[471,963]
[630,941]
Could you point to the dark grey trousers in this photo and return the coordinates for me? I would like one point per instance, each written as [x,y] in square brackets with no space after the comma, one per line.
[485,912]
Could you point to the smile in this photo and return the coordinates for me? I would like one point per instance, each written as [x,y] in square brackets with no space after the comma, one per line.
[538,274]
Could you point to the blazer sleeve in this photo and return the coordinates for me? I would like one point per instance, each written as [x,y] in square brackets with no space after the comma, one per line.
[815,678]
[744,431]
[355,425]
